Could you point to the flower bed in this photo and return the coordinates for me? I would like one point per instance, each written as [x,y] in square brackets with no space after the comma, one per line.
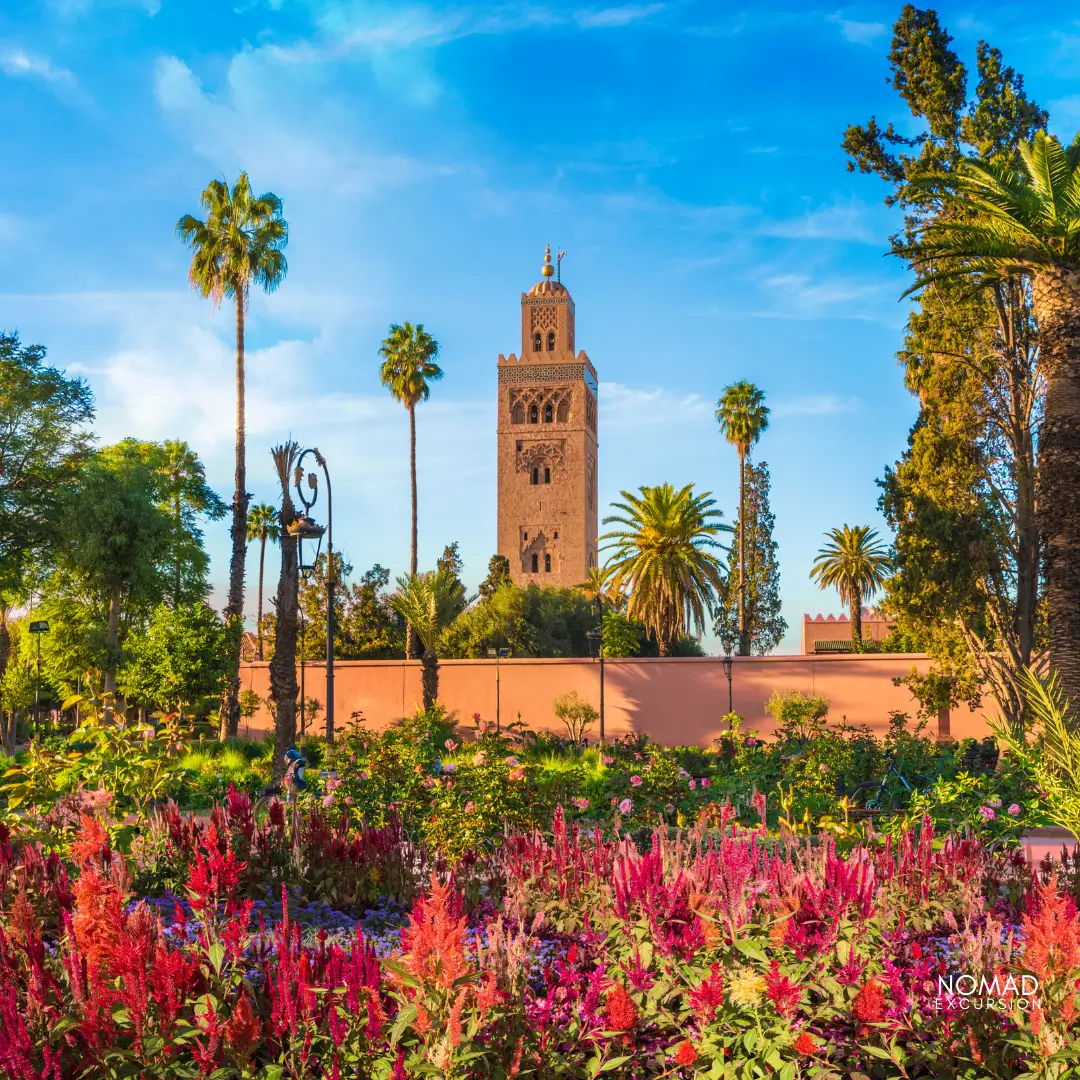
[567,954]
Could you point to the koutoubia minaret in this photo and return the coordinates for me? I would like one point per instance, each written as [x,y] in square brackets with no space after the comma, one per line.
[547,443]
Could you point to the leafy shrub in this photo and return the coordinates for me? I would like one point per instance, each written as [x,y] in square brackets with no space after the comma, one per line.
[576,714]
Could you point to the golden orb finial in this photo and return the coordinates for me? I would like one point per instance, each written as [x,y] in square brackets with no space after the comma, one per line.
[547,269]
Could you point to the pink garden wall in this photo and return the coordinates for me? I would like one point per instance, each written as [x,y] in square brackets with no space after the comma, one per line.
[674,701]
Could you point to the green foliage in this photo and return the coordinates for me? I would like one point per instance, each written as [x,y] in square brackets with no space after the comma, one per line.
[576,714]
[743,416]
[764,621]
[623,636]
[409,366]
[178,662]
[797,714]
[662,556]
[961,501]
[429,603]
[43,440]
[497,575]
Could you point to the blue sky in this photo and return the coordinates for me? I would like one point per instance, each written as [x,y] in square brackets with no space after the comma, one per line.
[686,154]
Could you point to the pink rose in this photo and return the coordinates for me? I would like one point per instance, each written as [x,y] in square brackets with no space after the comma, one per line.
[987,813]
[580,802]
[635,781]
[363,774]
[470,807]
[1013,810]
[614,800]
[752,741]
[625,806]
[518,773]
[348,800]
[705,781]
[352,759]
[692,784]
[327,800]
[607,760]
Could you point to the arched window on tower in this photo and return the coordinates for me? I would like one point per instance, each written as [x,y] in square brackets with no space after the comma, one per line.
[551,341]
[536,476]
[535,563]
[537,342]
[547,474]
[534,414]
[549,413]
[547,564]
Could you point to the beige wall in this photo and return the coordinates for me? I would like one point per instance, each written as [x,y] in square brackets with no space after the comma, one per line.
[821,628]
[672,700]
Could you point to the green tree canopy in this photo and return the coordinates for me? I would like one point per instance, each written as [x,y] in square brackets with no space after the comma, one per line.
[764,621]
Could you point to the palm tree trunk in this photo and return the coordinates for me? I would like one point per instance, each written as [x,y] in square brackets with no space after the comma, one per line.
[429,679]
[1056,293]
[412,643]
[283,684]
[112,646]
[856,619]
[234,609]
[744,634]
[176,550]
[258,624]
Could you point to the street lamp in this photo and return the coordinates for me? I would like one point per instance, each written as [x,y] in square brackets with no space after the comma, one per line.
[727,672]
[331,572]
[497,655]
[38,628]
[596,638]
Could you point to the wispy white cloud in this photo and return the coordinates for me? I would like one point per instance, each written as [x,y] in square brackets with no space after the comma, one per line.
[77,8]
[816,405]
[18,63]
[859,33]
[839,221]
[600,18]
[630,408]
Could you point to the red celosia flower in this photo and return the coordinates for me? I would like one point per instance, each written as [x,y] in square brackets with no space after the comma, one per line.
[620,1010]
[782,992]
[869,1006]
[686,1054]
[709,996]
[805,1045]
[243,1030]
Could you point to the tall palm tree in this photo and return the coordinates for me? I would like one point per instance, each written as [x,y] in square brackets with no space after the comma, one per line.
[855,563]
[661,555]
[263,524]
[429,603]
[743,418]
[407,371]
[187,495]
[241,242]
[283,685]
[1008,223]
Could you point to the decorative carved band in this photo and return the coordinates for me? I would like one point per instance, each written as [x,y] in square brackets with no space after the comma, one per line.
[525,373]
[553,453]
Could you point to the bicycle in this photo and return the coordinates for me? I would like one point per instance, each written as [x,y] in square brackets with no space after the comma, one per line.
[881,796]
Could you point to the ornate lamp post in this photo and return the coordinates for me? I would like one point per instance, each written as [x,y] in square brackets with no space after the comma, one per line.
[37,629]
[727,672]
[497,655]
[309,499]
[596,639]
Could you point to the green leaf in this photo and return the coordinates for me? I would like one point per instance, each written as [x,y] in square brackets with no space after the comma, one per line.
[751,949]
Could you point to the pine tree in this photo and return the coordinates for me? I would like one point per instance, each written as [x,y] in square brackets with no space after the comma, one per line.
[765,624]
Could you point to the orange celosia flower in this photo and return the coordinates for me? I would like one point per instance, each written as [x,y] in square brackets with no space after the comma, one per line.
[97,919]
[434,940]
[453,1024]
[804,1045]
[1052,936]
[620,1010]
[686,1054]
[243,1030]
[92,843]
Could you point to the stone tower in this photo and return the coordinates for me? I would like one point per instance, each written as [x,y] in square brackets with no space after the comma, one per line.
[547,444]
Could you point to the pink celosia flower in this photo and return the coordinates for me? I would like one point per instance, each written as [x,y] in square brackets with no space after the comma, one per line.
[1013,810]
[635,781]
[626,806]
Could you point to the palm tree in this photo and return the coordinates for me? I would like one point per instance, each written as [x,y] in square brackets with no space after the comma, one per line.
[407,370]
[855,563]
[283,685]
[598,585]
[429,603]
[187,495]
[240,242]
[1008,223]
[661,554]
[263,525]
[743,418]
